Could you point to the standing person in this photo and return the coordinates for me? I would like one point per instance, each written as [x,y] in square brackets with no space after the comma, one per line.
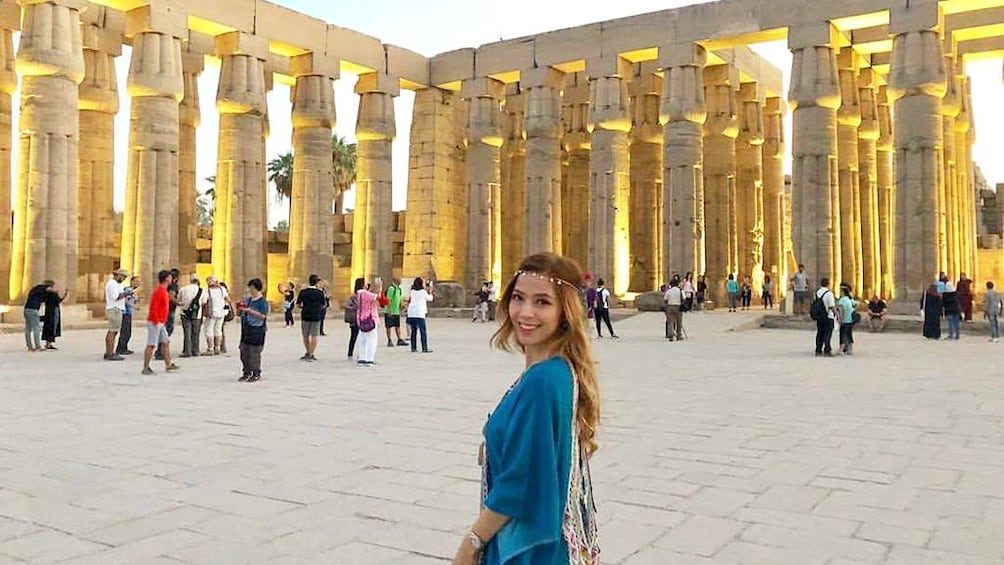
[392,317]
[537,502]
[591,295]
[122,347]
[965,293]
[115,306]
[418,308]
[254,315]
[673,300]
[481,306]
[52,326]
[942,281]
[323,285]
[876,314]
[367,314]
[732,291]
[190,299]
[213,313]
[950,303]
[930,307]
[493,300]
[602,309]
[992,310]
[156,324]
[747,293]
[172,292]
[800,288]
[702,292]
[845,311]
[289,300]
[312,307]
[824,312]
[767,294]
[351,314]
[32,315]
[687,288]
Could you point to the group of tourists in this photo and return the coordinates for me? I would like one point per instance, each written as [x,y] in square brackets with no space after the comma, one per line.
[740,295]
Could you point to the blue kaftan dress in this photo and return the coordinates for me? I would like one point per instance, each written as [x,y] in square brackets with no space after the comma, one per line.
[528,448]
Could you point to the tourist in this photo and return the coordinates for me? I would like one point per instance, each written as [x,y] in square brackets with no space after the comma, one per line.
[673,302]
[953,313]
[687,288]
[702,292]
[590,298]
[965,292]
[125,335]
[746,293]
[732,291]
[877,314]
[172,292]
[254,316]
[311,301]
[323,285]
[289,301]
[992,310]
[213,315]
[493,300]
[392,312]
[824,312]
[367,316]
[191,297]
[351,314]
[800,288]
[32,315]
[602,308]
[845,311]
[481,304]
[228,316]
[942,282]
[156,324]
[418,310]
[767,294]
[52,326]
[115,305]
[537,505]
[930,307]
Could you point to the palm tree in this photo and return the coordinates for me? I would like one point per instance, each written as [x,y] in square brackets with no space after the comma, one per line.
[343,158]
[205,202]
[280,173]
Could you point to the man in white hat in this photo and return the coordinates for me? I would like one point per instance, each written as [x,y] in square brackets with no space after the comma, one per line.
[191,297]
[115,307]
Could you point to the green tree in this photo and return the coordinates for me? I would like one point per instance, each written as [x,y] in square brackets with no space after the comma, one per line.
[343,158]
[280,173]
[205,203]
[282,226]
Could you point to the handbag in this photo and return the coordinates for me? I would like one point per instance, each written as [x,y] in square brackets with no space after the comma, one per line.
[367,325]
[351,308]
[229,315]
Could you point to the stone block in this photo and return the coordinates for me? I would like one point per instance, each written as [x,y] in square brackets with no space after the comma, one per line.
[10,15]
[314,63]
[608,67]
[681,55]
[565,45]
[541,76]
[451,66]
[102,39]
[477,87]
[378,82]
[649,302]
[239,43]
[407,65]
[918,15]
[360,49]
[284,25]
[504,57]
[822,34]
[157,17]
[450,294]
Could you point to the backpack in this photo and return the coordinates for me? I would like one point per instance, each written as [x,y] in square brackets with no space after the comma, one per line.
[817,311]
[351,307]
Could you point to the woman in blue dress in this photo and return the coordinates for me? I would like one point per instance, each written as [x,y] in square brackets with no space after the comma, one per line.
[537,506]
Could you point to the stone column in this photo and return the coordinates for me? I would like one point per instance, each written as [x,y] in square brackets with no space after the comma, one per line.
[372,223]
[50,62]
[848,122]
[815,96]
[774,260]
[239,226]
[150,235]
[682,113]
[99,102]
[951,223]
[749,203]
[917,82]
[886,188]
[10,20]
[190,117]
[513,179]
[868,136]
[646,206]
[965,132]
[576,142]
[720,132]
[311,237]
[610,173]
[542,205]
[484,181]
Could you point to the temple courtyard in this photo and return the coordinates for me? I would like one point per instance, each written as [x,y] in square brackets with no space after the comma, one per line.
[735,446]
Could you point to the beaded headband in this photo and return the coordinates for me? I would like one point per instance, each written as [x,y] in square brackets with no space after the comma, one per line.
[555,280]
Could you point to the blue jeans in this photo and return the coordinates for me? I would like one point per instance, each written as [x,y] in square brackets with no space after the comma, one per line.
[418,325]
[953,326]
[32,329]
[995,327]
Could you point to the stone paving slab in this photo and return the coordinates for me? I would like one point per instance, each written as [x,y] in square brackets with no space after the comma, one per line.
[734,446]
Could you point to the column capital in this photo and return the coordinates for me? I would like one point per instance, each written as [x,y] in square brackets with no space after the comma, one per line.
[682,55]
[8,74]
[482,87]
[378,82]
[192,63]
[156,17]
[10,15]
[99,90]
[601,67]
[951,104]
[313,99]
[814,77]
[314,63]
[773,128]
[821,34]
[240,43]
[918,15]
[849,112]
[869,128]
[885,139]
[375,119]
[541,77]
[918,65]
[751,118]
[43,53]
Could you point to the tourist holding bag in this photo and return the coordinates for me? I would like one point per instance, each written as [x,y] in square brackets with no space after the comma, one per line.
[366,318]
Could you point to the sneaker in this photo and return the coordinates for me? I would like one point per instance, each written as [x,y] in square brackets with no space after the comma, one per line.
[615,336]
[148,371]
[311,357]
[115,357]
[306,357]
[172,367]
[127,352]
[244,378]
[402,342]
[184,355]
[426,351]
[254,378]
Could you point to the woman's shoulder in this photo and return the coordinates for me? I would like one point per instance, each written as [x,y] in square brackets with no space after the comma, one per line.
[554,374]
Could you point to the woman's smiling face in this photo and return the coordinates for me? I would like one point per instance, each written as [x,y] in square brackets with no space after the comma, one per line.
[534,310]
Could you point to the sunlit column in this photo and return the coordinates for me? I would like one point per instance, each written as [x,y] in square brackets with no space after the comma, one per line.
[868,137]
[645,91]
[10,20]
[720,210]
[749,203]
[372,223]
[542,204]
[484,181]
[190,116]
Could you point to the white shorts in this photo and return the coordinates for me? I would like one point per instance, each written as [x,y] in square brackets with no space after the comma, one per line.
[214,327]
[156,334]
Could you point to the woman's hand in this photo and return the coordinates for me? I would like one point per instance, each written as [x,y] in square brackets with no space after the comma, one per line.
[465,554]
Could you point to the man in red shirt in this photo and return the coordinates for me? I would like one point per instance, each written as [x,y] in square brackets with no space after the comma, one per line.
[156,320]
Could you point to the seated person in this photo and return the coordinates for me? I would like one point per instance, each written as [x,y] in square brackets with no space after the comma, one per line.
[876,314]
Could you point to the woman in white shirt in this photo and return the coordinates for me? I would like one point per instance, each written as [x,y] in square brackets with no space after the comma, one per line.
[418,308]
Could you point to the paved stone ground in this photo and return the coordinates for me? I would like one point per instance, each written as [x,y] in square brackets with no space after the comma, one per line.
[731,447]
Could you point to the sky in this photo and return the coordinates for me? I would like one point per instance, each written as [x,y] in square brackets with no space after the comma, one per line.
[419,26]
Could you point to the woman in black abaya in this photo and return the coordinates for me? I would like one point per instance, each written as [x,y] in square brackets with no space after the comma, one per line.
[930,305]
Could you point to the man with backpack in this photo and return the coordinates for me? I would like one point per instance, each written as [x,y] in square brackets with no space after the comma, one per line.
[824,312]
[190,300]
[391,301]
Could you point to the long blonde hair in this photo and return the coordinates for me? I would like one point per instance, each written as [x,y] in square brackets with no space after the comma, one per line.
[570,341]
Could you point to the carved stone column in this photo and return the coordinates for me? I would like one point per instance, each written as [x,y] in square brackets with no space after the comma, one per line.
[868,136]
[311,238]
[542,205]
[848,121]
[576,143]
[513,179]
[720,209]
[749,203]
[610,173]
[774,260]
[815,96]
[951,205]
[484,181]
[917,83]
[239,224]
[10,20]
[646,207]
[682,113]
[965,132]
[372,223]
[190,117]
[50,62]
[886,188]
